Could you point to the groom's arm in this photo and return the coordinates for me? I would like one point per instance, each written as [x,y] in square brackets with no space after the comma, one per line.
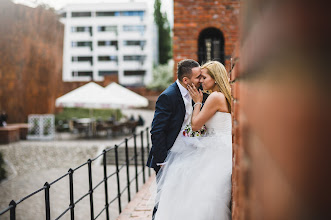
[160,123]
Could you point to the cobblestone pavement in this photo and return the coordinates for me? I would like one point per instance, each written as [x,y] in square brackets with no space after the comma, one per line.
[32,163]
[141,207]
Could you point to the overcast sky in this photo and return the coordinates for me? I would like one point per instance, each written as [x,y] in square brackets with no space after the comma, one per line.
[167,5]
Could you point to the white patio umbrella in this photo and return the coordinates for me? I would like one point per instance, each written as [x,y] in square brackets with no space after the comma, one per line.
[124,97]
[90,95]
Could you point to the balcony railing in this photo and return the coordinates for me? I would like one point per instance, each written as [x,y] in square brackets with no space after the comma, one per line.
[129,159]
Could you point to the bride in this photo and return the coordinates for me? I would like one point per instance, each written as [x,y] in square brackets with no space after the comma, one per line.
[195,182]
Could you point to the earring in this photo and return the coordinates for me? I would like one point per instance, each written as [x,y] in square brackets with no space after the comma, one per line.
[215,82]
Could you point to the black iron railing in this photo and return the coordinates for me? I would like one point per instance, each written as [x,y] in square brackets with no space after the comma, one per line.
[13,204]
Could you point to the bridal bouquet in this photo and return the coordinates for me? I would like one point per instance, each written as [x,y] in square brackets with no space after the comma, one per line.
[188,132]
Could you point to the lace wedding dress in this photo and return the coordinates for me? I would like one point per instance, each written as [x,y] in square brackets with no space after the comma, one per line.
[195,183]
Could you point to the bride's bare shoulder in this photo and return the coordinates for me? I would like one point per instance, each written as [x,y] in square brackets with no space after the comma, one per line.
[216,97]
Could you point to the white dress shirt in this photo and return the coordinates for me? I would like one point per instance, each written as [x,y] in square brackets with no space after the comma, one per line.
[187,101]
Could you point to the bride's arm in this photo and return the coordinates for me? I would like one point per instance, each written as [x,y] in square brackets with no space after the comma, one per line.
[213,103]
[200,117]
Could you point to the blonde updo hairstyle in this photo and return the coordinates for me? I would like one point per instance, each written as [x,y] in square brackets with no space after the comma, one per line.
[218,72]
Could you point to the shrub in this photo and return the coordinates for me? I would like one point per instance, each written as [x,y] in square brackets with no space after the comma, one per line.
[162,77]
[2,168]
[70,113]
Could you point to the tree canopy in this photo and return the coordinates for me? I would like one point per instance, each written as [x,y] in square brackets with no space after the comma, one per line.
[164,37]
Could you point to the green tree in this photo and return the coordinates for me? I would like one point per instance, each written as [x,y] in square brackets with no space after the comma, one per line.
[165,45]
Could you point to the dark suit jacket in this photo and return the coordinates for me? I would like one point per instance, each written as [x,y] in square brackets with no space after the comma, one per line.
[167,122]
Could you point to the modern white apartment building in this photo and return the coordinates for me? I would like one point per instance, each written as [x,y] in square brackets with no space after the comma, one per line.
[108,38]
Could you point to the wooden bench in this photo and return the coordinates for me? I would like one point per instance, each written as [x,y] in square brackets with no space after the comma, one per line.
[23,130]
[13,132]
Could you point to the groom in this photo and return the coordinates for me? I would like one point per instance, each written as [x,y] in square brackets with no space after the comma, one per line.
[171,111]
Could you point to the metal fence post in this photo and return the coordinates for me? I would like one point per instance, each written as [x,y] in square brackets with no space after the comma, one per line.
[89,163]
[136,160]
[147,139]
[105,181]
[12,210]
[127,169]
[118,180]
[47,202]
[71,188]
[142,155]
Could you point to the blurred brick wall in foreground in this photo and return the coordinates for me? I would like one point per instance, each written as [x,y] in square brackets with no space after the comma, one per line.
[282,112]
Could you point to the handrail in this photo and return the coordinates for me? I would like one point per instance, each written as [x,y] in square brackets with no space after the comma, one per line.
[119,167]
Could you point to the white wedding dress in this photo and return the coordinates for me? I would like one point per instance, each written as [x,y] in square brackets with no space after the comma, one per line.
[195,183]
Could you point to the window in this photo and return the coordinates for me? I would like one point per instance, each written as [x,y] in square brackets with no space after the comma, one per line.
[107,29]
[108,43]
[63,15]
[107,72]
[211,45]
[140,28]
[134,43]
[130,13]
[140,43]
[119,13]
[82,44]
[80,14]
[82,73]
[82,59]
[107,58]
[82,29]
[134,58]
[134,72]
[105,13]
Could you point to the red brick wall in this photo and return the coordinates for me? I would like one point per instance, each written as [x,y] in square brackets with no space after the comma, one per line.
[281,114]
[191,17]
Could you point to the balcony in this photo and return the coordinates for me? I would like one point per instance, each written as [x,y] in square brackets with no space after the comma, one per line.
[133,35]
[133,50]
[86,65]
[111,35]
[134,65]
[107,65]
[120,19]
[106,50]
[81,50]
[80,36]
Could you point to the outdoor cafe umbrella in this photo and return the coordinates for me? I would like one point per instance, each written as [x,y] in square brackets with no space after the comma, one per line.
[125,98]
[90,95]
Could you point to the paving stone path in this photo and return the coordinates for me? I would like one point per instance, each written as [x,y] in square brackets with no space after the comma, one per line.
[32,163]
[141,207]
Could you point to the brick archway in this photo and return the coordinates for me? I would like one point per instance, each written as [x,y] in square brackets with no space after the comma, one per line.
[211,45]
